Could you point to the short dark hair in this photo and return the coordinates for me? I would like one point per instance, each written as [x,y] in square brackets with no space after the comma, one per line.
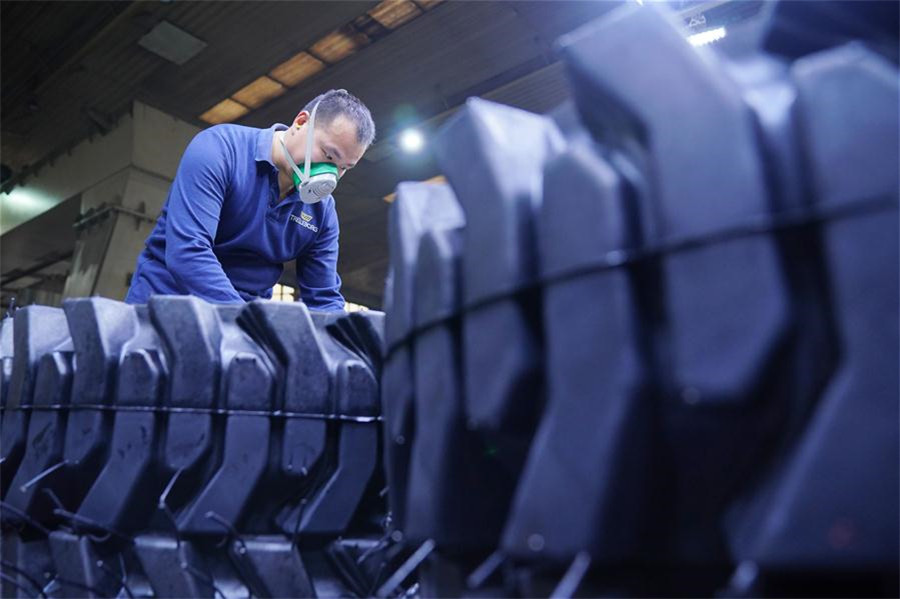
[341,102]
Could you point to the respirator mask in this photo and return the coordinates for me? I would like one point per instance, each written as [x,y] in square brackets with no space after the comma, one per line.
[317,180]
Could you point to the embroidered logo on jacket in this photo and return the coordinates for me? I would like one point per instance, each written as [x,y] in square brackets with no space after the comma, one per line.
[303,221]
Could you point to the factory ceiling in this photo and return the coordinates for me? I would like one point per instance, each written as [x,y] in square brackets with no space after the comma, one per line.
[70,69]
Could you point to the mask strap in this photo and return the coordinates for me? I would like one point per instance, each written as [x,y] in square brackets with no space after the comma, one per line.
[290,160]
[309,139]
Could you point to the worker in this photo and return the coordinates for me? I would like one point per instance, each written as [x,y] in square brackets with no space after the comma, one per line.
[241,205]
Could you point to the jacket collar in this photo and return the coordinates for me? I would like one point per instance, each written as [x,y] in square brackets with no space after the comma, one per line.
[264,143]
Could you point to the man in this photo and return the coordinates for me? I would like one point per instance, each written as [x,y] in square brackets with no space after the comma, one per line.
[244,201]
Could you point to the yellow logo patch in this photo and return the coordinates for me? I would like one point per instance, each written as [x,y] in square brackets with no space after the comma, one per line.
[305,216]
[304,222]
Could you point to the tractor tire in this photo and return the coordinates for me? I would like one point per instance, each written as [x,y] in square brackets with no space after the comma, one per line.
[184,449]
[648,345]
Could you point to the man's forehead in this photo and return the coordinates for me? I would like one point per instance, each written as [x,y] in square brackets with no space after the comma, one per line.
[342,126]
[342,131]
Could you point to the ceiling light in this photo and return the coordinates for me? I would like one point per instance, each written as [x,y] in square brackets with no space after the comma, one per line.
[338,45]
[411,141]
[21,204]
[27,199]
[224,112]
[393,13]
[707,37]
[259,92]
[369,27]
[296,69]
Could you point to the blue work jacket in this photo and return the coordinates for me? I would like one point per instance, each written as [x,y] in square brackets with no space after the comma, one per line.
[224,236]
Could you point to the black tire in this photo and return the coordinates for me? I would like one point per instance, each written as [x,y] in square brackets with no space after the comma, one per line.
[653,343]
[183,449]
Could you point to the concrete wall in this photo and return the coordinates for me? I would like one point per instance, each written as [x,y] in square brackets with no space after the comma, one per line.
[87,164]
[130,167]
[106,252]
[147,139]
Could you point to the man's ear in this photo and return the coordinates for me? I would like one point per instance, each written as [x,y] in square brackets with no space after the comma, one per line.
[301,119]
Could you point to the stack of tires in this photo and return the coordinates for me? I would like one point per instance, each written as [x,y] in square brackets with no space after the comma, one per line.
[182,449]
[649,345]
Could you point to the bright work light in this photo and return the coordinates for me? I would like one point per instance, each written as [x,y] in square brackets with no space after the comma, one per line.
[411,141]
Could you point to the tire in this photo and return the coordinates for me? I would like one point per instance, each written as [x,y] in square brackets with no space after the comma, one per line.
[648,345]
[183,449]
